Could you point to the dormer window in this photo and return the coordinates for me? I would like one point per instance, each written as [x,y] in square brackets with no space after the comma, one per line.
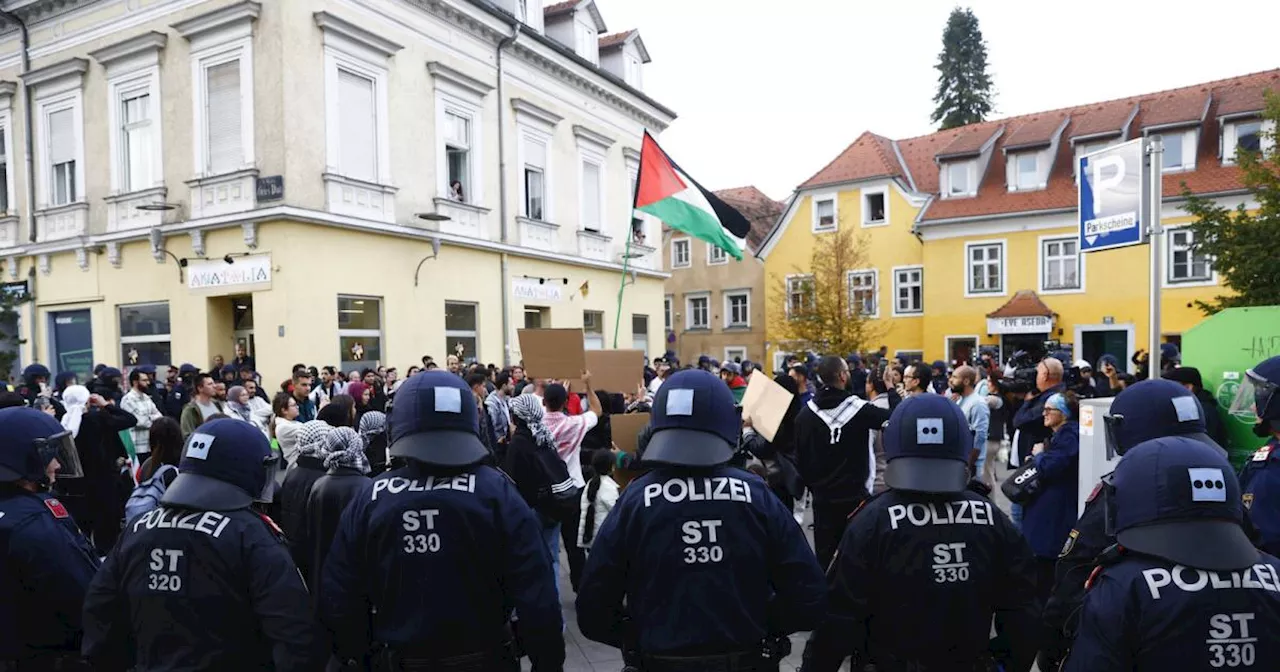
[1179,150]
[1026,167]
[960,180]
[1245,134]
[1088,148]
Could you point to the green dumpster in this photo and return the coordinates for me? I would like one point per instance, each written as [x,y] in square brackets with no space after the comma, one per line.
[1223,347]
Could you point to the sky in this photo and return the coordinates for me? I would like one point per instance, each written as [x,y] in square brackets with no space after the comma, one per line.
[770,91]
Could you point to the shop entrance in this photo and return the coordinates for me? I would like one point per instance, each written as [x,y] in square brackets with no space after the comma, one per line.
[242,323]
[1114,340]
[1032,344]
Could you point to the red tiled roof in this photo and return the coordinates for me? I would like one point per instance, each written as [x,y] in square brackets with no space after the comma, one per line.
[757,207]
[1101,119]
[559,7]
[969,142]
[1036,131]
[1024,303]
[1175,107]
[869,156]
[1240,97]
[615,39]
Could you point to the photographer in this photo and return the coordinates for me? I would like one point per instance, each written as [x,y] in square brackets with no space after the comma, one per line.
[1028,423]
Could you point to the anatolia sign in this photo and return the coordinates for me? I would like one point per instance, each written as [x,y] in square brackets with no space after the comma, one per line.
[208,274]
[529,289]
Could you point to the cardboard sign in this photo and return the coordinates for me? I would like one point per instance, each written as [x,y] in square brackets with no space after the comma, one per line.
[552,353]
[618,371]
[626,430]
[766,404]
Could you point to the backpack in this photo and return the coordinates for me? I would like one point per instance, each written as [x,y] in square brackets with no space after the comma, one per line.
[146,496]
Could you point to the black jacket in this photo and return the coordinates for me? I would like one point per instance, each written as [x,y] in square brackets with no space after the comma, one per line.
[1212,416]
[293,495]
[329,497]
[1028,425]
[834,464]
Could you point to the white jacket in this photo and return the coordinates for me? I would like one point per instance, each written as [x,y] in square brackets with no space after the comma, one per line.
[606,497]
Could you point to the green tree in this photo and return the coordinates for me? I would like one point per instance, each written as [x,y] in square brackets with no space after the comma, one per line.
[964,87]
[1242,243]
[9,342]
[821,311]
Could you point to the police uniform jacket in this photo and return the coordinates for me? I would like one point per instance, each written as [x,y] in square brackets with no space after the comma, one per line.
[329,497]
[200,590]
[1260,488]
[429,564]
[708,562]
[1148,615]
[1076,560]
[917,580]
[45,568]
[293,495]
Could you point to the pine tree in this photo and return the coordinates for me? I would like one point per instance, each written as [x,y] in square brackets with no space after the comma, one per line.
[964,87]
[1242,242]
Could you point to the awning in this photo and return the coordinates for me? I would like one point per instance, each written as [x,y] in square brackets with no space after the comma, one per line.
[1025,313]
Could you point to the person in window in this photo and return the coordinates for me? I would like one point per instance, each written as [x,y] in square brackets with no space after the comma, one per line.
[455,191]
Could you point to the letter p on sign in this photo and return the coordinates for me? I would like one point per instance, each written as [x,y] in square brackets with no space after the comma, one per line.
[1100,165]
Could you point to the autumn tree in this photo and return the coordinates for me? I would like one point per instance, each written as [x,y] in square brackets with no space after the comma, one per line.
[822,311]
[964,87]
[1241,242]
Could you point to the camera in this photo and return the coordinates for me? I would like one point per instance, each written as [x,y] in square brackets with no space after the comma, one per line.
[1020,374]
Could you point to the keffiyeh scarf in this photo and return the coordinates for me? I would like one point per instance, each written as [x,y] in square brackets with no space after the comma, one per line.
[528,409]
[311,439]
[345,448]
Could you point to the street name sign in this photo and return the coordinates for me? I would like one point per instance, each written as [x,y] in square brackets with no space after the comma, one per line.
[1112,185]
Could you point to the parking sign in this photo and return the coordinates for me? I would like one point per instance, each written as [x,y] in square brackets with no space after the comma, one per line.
[1112,184]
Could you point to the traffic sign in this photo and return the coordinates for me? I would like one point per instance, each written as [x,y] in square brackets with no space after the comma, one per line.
[1112,185]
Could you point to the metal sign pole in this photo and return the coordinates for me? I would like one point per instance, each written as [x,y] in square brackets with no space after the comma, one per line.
[1155,165]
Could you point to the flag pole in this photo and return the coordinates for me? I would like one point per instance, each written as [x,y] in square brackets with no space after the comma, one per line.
[626,260]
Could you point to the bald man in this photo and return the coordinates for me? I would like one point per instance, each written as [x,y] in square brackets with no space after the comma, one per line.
[1028,422]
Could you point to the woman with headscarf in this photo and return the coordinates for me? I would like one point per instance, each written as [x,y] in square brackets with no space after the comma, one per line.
[296,489]
[541,477]
[96,501]
[363,394]
[238,404]
[346,473]
[373,430]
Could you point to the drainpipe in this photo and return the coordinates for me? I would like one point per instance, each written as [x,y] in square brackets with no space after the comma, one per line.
[29,141]
[502,198]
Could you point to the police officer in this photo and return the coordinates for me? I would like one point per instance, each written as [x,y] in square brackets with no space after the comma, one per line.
[202,581]
[714,570]
[1147,410]
[1260,478]
[1188,591]
[45,563]
[924,566]
[429,558]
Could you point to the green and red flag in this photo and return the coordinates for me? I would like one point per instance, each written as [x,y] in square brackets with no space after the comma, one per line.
[666,192]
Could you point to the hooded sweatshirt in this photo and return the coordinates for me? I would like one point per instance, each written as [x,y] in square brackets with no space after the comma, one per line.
[832,433]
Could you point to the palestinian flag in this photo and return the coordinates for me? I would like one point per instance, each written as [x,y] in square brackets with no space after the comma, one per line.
[666,192]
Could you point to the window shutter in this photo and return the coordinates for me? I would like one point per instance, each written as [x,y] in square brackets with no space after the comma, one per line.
[535,153]
[222,117]
[62,137]
[591,196]
[358,127]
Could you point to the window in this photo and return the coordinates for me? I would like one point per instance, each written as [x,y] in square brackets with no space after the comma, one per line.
[593,329]
[735,353]
[535,317]
[522,10]
[1184,264]
[1087,148]
[986,268]
[666,312]
[737,309]
[824,214]
[136,136]
[800,296]
[144,334]
[958,178]
[873,207]
[71,342]
[357,126]
[460,332]
[535,177]
[680,253]
[223,122]
[1061,264]
[592,192]
[716,255]
[640,333]
[908,290]
[359,332]
[4,167]
[699,312]
[457,149]
[62,156]
[1248,136]
[1179,151]
[862,292]
[1027,165]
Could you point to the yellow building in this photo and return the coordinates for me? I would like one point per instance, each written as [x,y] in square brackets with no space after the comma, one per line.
[971,232]
[322,183]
